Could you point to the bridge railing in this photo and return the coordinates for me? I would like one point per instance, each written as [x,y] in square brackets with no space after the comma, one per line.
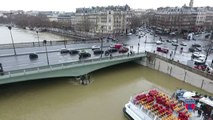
[66,65]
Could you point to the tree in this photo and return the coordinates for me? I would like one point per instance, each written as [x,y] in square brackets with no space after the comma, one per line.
[135,21]
[85,25]
[208,48]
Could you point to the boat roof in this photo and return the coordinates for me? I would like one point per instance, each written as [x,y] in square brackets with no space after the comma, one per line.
[207,101]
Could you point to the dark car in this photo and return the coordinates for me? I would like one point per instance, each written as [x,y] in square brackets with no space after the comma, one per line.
[33,56]
[191,49]
[97,52]
[199,49]
[111,50]
[64,51]
[196,45]
[1,70]
[84,55]
[73,52]
[169,41]
[123,50]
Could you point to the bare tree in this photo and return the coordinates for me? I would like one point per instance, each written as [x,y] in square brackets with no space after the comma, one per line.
[85,25]
[208,48]
[135,21]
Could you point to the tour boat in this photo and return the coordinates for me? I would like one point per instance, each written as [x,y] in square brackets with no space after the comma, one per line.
[156,105]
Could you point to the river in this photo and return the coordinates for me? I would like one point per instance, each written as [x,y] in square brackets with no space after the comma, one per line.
[65,99]
[23,35]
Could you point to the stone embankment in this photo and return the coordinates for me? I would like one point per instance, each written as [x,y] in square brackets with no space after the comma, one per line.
[180,71]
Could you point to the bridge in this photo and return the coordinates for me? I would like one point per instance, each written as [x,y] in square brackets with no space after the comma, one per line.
[71,69]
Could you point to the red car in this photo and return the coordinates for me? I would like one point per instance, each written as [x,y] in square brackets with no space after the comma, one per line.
[163,50]
[117,46]
[123,50]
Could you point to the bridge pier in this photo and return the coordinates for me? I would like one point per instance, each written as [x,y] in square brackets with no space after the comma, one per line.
[84,79]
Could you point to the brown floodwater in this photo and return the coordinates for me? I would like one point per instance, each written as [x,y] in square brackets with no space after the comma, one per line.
[65,99]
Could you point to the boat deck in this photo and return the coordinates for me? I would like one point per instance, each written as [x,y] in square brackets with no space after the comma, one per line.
[155,105]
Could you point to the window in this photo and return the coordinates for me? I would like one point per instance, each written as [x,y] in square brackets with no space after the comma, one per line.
[109,20]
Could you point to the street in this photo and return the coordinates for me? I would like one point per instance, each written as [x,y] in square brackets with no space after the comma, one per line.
[145,43]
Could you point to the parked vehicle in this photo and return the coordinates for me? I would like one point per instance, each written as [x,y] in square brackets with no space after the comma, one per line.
[191,49]
[158,42]
[33,56]
[129,34]
[123,50]
[199,49]
[84,55]
[73,52]
[163,50]
[183,44]
[169,41]
[174,41]
[197,55]
[64,51]
[174,44]
[97,52]
[1,70]
[94,47]
[196,45]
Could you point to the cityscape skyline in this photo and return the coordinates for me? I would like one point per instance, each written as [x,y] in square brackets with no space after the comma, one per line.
[70,6]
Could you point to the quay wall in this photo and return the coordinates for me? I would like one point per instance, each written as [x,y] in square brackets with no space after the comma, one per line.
[180,71]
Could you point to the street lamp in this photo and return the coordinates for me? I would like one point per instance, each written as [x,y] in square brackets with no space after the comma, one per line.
[38,38]
[9,27]
[65,42]
[45,44]
[139,42]
[102,27]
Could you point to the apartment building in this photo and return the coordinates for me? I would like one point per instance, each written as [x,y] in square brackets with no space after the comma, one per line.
[111,19]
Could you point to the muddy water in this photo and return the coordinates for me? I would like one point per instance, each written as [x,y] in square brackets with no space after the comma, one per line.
[65,99]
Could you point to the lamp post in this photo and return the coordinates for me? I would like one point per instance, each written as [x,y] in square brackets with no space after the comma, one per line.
[139,42]
[38,38]
[102,27]
[65,42]
[9,27]
[45,44]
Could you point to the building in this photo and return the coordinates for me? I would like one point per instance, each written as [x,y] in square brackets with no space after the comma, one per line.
[182,19]
[109,20]
[191,3]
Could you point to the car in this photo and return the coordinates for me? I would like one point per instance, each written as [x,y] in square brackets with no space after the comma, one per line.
[94,47]
[1,70]
[64,51]
[111,50]
[199,49]
[73,52]
[84,55]
[163,50]
[198,55]
[123,50]
[33,56]
[169,41]
[158,42]
[117,46]
[196,45]
[97,52]
[191,49]
[174,44]
[174,41]
[183,44]
[129,34]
